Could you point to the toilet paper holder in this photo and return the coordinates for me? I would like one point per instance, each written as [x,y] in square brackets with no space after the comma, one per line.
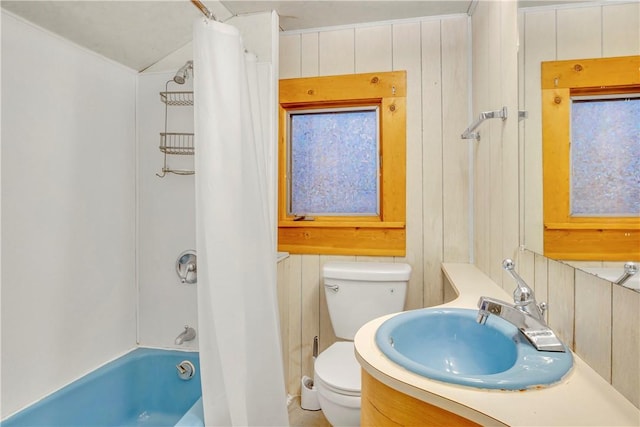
[309,395]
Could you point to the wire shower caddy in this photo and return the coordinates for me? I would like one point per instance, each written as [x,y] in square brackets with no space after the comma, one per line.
[175,143]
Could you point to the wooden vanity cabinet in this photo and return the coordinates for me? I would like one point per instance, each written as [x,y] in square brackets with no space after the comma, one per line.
[383,406]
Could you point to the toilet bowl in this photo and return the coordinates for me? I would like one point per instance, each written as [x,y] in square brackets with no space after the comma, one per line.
[337,380]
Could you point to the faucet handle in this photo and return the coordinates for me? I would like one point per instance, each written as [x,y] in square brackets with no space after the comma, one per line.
[508,264]
[522,295]
[188,268]
[543,308]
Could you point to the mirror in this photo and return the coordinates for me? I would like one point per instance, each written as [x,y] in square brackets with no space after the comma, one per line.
[551,33]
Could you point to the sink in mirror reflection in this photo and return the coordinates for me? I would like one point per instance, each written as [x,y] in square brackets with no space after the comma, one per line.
[448,344]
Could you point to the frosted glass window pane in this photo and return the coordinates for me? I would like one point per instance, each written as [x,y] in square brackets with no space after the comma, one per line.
[334,163]
[605,157]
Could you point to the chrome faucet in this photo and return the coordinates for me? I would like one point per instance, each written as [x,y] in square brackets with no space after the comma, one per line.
[523,296]
[525,313]
[187,335]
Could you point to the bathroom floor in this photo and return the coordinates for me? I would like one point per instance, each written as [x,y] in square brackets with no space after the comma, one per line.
[299,417]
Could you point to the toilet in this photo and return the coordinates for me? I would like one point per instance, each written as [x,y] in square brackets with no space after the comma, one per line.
[356,292]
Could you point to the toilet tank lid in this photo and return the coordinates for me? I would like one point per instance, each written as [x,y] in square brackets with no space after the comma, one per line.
[369,271]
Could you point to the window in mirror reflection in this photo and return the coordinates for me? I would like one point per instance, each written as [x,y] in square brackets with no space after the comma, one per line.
[590,158]
[605,156]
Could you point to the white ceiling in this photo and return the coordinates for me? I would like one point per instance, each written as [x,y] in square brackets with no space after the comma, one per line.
[137,34]
[297,15]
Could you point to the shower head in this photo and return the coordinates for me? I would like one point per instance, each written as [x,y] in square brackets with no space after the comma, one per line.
[183,73]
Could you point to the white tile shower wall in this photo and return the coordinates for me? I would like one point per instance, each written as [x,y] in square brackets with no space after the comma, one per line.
[68,162]
[434,52]
[166,218]
[166,206]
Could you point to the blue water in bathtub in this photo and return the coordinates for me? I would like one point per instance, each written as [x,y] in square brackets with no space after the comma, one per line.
[141,388]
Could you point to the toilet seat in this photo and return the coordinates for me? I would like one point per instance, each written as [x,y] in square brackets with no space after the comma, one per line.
[338,370]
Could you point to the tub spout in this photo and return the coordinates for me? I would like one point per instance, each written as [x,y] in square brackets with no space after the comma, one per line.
[187,335]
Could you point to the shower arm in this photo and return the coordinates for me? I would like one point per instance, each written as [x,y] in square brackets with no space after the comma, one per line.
[630,269]
[469,132]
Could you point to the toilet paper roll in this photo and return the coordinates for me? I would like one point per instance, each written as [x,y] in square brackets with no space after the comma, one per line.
[309,398]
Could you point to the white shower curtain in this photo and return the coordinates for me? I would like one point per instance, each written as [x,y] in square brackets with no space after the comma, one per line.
[239,339]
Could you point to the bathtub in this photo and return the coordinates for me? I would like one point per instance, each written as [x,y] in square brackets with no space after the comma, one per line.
[141,388]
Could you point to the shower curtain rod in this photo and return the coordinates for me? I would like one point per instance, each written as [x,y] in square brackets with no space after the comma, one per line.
[206,12]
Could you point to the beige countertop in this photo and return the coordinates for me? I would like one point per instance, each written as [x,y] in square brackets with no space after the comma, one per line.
[582,398]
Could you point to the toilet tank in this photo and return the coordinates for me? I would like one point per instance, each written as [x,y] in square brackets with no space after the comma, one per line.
[358,292]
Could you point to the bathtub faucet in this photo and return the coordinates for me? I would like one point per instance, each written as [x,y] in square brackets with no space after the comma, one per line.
[525,313]
[187,335]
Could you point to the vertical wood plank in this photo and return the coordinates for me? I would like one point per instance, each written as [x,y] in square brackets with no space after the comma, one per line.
[289,64]
[373,49]
[295,323]
[509,131]
[541,279]
[482,150]
[626,343]
[432,151]
[310,56]
[593,322]
[621,29]
[282,284]
[527,269]
[579,33]
[455,66]
[540,42]
[561,301]
[521,127]
[406,56]
[336,52]
[494,143]
[310,310]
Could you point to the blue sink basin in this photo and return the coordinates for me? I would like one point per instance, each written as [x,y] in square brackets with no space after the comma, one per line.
[449,345]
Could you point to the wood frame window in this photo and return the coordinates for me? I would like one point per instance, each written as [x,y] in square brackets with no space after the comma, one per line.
[581,237]
[383,234]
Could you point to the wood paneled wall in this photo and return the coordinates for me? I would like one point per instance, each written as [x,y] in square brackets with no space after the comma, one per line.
[434,52]
[495,160]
